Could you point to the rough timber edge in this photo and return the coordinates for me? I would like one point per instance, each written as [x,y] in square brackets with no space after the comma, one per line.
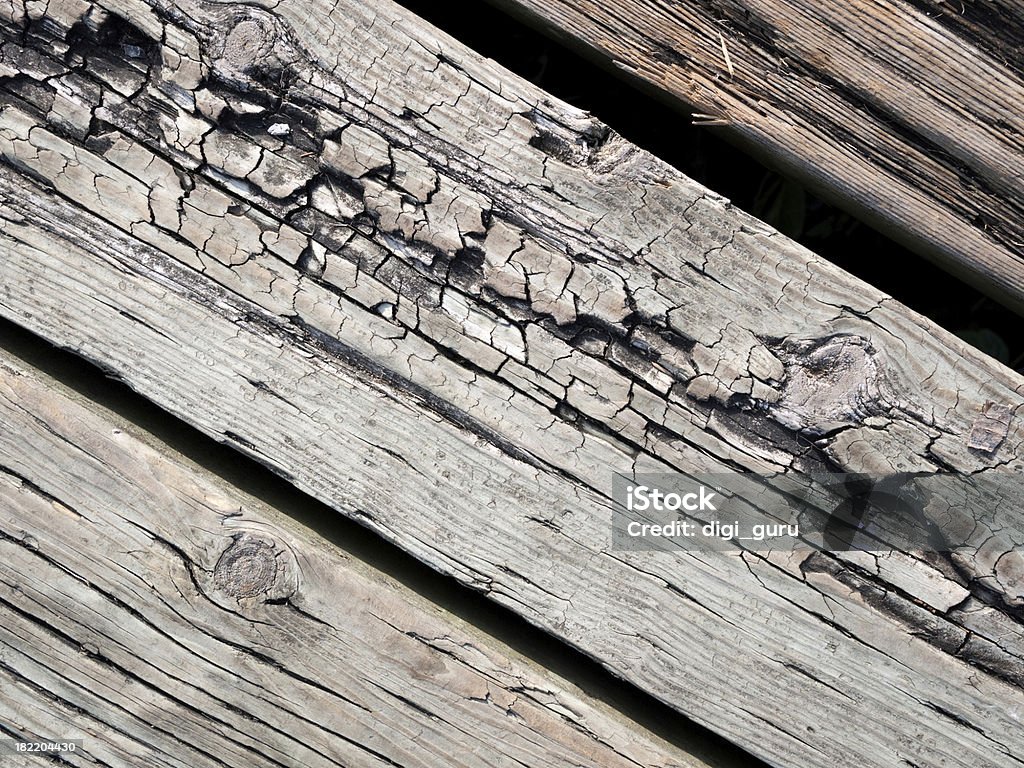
[436,658]
[696,79]
[889,312]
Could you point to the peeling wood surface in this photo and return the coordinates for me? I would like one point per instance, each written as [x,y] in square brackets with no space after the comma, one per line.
[904,111]
[166,618]
[451,307]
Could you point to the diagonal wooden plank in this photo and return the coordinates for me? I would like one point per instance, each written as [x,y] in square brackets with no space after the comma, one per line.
[166,618]
[452,308]
[902,111]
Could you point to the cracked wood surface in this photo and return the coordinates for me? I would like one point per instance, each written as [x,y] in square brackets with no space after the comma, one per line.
[167,618]
[903,111]
[451,307]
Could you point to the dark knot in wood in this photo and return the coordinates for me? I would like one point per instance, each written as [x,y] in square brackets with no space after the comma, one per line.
[247,568]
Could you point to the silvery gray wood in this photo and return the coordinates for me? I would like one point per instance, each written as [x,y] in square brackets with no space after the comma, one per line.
[902,111]
[451,307]
[166,618]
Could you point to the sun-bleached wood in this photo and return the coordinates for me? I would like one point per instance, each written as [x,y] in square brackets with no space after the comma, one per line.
[452,307]
[903,111]
[164,617]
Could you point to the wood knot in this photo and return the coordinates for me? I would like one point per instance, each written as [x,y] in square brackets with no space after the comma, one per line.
[248,568]
[830,383]
[248,42]
[576,138]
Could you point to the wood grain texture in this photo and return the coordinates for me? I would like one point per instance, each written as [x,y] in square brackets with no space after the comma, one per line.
[166,618]
[452,307]
[903,111]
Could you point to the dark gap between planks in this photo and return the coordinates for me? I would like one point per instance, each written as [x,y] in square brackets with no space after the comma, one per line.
[472,607]
[704,156]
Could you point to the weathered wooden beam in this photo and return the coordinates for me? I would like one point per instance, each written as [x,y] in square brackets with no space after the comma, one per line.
[164,617]
[903,111]
[452,307]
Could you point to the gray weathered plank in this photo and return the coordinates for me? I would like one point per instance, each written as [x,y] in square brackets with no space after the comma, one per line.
[167,618]
[451,307]
[903,111]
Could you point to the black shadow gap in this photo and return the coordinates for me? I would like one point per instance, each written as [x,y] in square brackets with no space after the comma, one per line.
[472,607]
[707,158]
